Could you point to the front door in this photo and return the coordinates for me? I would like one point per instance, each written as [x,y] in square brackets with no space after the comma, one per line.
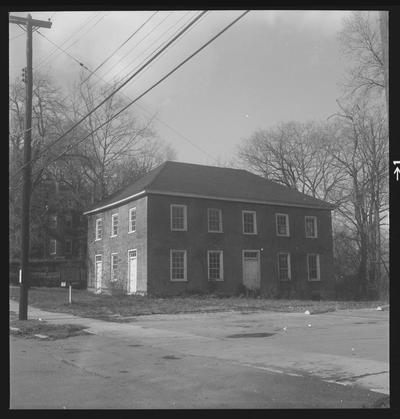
[132,272]
[98,272]
[251,269]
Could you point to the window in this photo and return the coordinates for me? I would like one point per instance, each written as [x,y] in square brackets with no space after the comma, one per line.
[311,227]
[53,221]
[114,267]
[214,220]
[249,222]
[313,267]
[68,246]
[99,228]
[178,218]
[282,225]
[68,221]
[132,220]
[53,247]
[178,265]
[215,265]
[114,225]
[284,266]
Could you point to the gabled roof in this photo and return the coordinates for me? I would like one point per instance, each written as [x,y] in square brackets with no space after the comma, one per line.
[186,179]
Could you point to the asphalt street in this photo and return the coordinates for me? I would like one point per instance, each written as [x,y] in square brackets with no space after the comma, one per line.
[214,360]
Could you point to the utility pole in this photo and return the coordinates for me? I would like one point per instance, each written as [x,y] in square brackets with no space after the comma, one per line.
[29,23]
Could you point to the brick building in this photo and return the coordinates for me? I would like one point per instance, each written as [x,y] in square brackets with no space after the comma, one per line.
[186,228]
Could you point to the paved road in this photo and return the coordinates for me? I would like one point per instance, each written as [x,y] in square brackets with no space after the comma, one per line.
[219,360]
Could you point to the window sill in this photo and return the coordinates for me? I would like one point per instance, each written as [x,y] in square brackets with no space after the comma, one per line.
[97,240]
[309,237]
[115,235]
[175,229]
[211,231]
[282,235]
[314,280]
[178,280]
[133,231]
[215,280]
[250,234]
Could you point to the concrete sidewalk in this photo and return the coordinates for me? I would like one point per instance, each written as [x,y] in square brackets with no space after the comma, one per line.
[346,347]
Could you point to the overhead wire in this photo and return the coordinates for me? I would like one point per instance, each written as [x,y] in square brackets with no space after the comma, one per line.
[43,60]
[121,45]
[138,43]
[117,89]
[151,88]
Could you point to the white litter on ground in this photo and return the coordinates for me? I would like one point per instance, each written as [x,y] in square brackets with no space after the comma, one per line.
[306,312]
[379,308]
[309,325]
[285,329]
[41,336]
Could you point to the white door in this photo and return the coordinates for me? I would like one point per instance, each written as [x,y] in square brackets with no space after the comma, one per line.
[98,272]
[132,272]
[251,269]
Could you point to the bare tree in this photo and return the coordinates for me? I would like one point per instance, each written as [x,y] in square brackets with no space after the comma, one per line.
[298,155]
[362,156]
[361,41]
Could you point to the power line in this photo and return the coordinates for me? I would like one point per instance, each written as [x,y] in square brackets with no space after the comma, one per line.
[140,106]
[121,45]
[155,50]
[82,27]
[152,87]
[118,88]
[138,43]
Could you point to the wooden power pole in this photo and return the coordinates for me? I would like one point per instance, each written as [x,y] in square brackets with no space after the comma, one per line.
[29,23]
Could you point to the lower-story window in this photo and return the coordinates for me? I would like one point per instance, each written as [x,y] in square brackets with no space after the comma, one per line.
[215,265]
[178,265]
[313,267]
[284,266]
[114,266]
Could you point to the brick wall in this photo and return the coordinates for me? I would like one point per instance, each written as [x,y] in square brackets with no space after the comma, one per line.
[120,244]
[196,241]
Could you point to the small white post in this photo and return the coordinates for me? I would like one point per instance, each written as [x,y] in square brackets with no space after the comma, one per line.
[20,276]
[70,294]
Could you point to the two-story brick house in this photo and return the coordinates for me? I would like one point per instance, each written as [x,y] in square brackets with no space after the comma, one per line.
[193,228]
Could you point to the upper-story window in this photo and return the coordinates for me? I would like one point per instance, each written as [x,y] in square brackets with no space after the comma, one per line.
[284,266]
[214,220]
[313,267]
[178,217]
[311,227]
[68,221]
[53,247]
[132,220]
[99,228]
[215,265]
[249,222]
[114,225]
[282,225]
[53,221]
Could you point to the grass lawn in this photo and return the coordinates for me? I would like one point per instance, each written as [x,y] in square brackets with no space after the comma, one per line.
[30,328]
[116,308]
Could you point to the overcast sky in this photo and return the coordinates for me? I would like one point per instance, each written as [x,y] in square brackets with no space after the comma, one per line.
[271,66]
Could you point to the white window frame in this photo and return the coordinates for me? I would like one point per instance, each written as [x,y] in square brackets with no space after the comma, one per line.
[68,249]
[97,236]
[55,246]
[184,217]
[184,279]
[287,224]
[113,216]
[131,211]
[254,221]
[289,267]
[220,220]
[318,267]
[112,279]
[221,265]
[314,218]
